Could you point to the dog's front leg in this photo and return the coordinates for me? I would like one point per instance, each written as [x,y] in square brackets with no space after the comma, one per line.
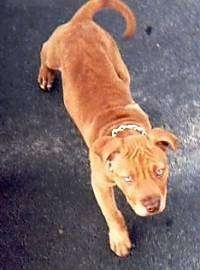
[118,234]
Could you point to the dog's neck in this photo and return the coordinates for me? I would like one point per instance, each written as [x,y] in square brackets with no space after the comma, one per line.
[110,119]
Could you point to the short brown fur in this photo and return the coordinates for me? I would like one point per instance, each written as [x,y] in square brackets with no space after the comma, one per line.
[96,93]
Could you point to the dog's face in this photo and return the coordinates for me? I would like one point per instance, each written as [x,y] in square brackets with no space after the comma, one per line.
[138,165]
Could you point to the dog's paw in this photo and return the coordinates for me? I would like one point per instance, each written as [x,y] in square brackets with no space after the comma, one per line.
[46,78]
[120,243]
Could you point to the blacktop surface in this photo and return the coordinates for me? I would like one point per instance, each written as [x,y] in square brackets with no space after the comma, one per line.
[49,218]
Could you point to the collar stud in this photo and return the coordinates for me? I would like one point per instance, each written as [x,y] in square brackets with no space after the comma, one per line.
[121,128]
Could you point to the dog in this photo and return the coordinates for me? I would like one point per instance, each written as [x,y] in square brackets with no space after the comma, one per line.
[124,150]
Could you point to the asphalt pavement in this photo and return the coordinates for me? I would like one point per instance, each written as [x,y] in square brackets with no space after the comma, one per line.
[49,218]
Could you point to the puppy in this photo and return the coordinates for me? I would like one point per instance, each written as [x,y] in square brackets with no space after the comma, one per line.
[124,150]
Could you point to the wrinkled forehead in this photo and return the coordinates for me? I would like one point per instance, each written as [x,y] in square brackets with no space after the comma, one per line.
[140,153]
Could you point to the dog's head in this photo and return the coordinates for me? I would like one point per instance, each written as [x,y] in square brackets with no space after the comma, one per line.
[138,164]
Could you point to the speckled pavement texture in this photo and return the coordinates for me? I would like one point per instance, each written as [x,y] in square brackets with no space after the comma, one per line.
[49,218]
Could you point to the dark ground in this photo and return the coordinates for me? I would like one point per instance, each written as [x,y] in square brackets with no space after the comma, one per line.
[49,217]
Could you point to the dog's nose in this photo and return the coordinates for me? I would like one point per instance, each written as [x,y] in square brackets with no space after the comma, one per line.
[151,203]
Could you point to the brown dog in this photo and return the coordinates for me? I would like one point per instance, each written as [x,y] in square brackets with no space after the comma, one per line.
[124,149]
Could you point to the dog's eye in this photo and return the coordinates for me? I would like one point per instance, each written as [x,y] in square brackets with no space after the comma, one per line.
[110,166]
[128,179]
[159,172]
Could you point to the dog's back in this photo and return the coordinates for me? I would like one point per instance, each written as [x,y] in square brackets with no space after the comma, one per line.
[94,76]
[92,67]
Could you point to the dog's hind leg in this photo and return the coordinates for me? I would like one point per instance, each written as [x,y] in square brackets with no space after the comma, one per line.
[46,74]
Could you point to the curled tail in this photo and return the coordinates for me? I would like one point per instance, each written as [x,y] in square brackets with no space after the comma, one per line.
[88,10]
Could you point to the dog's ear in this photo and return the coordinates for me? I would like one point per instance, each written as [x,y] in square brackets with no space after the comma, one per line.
[106,147]
[164,139]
